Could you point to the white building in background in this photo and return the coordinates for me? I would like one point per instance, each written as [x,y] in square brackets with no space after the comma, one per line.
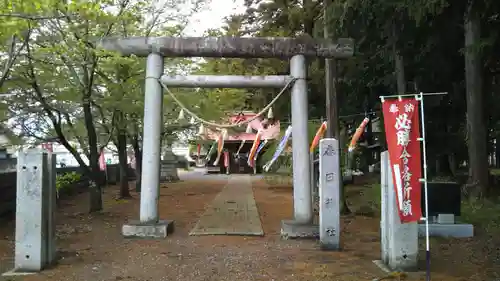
[65,158]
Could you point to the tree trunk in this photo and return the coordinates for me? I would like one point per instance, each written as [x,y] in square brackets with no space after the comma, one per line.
[399,68]
[443,165]
[343,137]
[138,161]
[122,156]
[332,109]
[94,175]
[478,156]
[92,171]
[453,164]
[95,191]
[497,152]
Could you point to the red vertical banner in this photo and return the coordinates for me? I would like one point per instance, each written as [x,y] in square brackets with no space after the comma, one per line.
[402,130]
[198,150]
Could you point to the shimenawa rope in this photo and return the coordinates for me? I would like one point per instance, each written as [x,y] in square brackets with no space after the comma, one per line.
[222,126]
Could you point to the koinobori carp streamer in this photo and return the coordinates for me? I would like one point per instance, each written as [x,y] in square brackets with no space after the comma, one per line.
[357,134]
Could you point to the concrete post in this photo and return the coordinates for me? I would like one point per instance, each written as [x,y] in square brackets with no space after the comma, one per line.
[51,209]
[301,173]
[329,194]
[227,162]
[314,187]
[384,174]
[314,190]
[302,225]
[149,225]
[399,241]
[153,108]
[35,203]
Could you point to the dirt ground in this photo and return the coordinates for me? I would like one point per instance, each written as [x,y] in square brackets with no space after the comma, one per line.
[92,248]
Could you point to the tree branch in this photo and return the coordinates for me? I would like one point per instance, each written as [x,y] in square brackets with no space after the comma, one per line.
[30,17]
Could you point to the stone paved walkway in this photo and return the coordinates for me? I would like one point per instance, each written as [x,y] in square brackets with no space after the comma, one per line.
[233,211]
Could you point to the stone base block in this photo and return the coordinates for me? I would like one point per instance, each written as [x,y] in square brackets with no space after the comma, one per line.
[446,219]
[329,246]
[291,229]
[136,229]
[380,264]
[417,274]
[447,230]
[17,272]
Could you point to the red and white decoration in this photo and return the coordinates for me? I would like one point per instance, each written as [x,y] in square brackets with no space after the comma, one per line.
[226,159]
[402,130]
[102,161]
[47,146]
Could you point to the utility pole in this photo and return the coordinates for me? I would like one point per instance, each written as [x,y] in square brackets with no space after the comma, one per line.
[332,108]
[332,115]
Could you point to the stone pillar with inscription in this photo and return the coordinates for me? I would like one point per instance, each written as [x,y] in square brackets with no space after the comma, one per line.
[35,207]
[329,194]
[399,241]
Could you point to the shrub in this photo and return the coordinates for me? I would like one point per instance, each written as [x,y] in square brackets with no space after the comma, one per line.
[67,179]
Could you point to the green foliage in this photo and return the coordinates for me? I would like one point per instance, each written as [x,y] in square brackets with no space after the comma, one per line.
[62,87]
[482,213]
[373,196]
[67,88]
[66,180]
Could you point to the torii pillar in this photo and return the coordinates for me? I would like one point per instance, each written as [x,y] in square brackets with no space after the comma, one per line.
[155,49]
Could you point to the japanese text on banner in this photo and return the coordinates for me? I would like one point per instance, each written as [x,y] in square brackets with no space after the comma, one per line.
[402,126]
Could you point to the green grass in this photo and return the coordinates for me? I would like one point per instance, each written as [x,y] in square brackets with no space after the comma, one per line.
[483,213]
[495,172]
[374,193]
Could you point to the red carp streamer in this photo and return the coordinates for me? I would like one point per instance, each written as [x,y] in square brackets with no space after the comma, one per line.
[319,135]
[357,134]
[253,150]
[220,146]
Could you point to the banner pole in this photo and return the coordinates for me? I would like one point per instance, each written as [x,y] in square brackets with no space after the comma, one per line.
[420,98]
[413,95]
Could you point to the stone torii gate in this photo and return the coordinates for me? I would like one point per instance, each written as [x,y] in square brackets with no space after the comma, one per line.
[157,48]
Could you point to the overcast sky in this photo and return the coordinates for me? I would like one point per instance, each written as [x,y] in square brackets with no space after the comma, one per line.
[213,15]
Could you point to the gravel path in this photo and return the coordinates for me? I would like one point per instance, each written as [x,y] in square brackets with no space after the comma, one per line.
[233,211]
